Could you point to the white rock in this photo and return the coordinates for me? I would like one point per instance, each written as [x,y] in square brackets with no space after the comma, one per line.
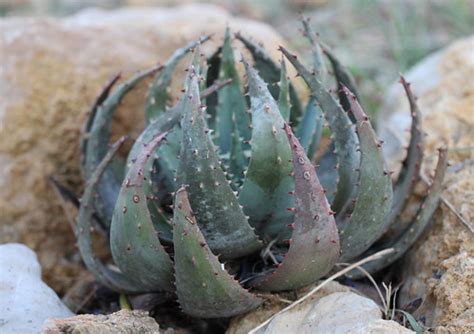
[25,301]
[338,313]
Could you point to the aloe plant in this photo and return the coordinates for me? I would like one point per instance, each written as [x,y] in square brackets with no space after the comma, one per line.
[220,196]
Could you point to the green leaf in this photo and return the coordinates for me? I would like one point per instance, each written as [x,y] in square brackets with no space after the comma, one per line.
[159,93]
[267,183]
[90,118]
[401,243]
[270,73]
[410,172]
[345,139]
[134,241]
[318,60]
[284,93]
[413,323]
[219,214]
[161,172]
[314,247]
[98,142]
[327,172]
[374,196]
[310,129]
[203,287]
[213,70]
[343,78]
[109,278]
[231,105]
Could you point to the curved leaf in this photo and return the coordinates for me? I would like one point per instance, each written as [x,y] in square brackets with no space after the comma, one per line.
[231,107]
[343,78]
[213,70]
[310,128]
[91,116]
[374,196]
[318,60]
[98,141]
[327,172]
[314,247]
[203,287]
[345,139]
[111,279]
[270,73]
[133,239]
[267,183]
[284,93]
[410,172]
[403,242]
[219,214]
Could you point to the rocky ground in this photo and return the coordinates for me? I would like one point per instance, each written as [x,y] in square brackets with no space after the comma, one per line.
[48,86]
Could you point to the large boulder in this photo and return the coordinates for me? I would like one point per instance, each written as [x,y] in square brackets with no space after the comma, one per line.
[440,268]
[52,69]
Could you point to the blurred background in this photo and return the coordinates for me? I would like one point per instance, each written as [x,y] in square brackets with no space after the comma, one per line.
[377,39]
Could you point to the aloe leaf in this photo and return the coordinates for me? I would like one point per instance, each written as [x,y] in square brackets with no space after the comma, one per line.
[203,287]
[98,141]
[264,193]
[134,241]
[413,323]
[168,121]
[327,172]
[162,175]
[314,246]
[318,60]
[284,93]
[231,105]
[410,172]
[343,78]
[219,214]
[109,278]
[345,139]
[169,151]
[374,194]
[270,73]
[213,70]
[91,116]
[159,93]
[310,128]
[411,234]
[237,161]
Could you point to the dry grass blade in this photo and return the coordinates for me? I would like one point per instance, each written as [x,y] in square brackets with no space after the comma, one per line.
[325,282]
[372,280]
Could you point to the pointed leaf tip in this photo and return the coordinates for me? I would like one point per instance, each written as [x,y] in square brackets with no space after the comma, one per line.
[217,209]
[374,195]
[355,109]
[203,287]
[134,242]
[345,139]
